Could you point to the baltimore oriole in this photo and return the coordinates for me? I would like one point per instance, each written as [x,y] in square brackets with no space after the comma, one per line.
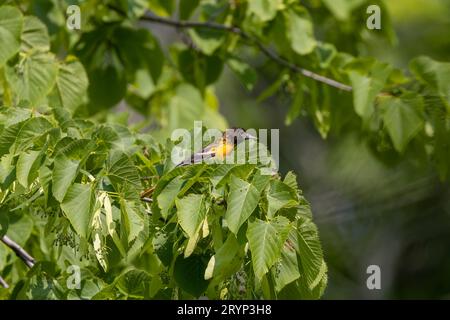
[221,147]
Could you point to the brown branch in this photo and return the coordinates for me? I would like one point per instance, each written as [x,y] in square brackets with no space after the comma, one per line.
[146,199]
[3,283]
[20,252]
[266,51]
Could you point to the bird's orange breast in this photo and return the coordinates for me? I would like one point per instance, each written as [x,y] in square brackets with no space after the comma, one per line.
[222,149]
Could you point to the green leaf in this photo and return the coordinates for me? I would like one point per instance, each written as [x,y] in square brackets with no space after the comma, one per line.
[279,196]
[191,212]
[10,29]
[34,77]
[296,105]
[27,167]
[98,242]
[20,228]
[107,86]
[187,7]
[189,274]
[403,118]
[435,74]
[310,253]
[166,198]
[342,9]
[300,31]
[265,10]
[291,181]
[326,53]
[132,219]
[185,107]
[287,269]
[71,84]
[273,88]
[65,171]
[242,201]
[73,148]
[306,293]
[207,40]
[77,206]
[111,225]
[11,116]
[134,8]
[244,72]
[21,135]
[4,222]
[162,7]
[34,35]
[139,50]
[225,261]
[266,239]
[123,175]
[134,283]
[367,84]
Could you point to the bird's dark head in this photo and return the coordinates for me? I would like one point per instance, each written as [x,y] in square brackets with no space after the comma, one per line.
[238,135]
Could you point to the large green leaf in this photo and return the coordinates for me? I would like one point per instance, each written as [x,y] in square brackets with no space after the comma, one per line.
[34,35]
[266,239]
[207,40]
[71,84]
[187,8]
[132,219]
[342,8]
[185,107]
[279,196]
[34,77]
[27,167]
[191,212]
[435,74]
[403,118]
[10,29]
[225,261]
[367,86]
[123,175]
[139,51]
[20,228]
[65,171]
[310,252]
[166,198]
[21,135]
[242,200]
[300,31]
[287,269]
[134,283]
[265,10]
[4,223]
[78,208]
[189,274]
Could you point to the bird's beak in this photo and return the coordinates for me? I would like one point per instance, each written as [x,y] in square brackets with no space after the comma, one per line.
[250,137]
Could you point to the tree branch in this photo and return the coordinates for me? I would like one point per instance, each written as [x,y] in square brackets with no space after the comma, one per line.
[266,51]
[20,252]
[3,283]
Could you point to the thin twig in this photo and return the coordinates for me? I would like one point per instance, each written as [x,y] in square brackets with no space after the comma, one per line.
[148,200]
[3,283]
[266,51]
[20,252]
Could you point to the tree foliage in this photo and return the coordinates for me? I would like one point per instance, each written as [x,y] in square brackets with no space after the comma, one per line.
[72,171]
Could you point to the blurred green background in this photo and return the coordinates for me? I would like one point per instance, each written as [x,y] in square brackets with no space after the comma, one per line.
[394,216]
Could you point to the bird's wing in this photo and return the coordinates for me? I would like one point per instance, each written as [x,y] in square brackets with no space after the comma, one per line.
[206,153]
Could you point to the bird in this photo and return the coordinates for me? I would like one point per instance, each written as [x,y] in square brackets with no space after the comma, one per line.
[221,147]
